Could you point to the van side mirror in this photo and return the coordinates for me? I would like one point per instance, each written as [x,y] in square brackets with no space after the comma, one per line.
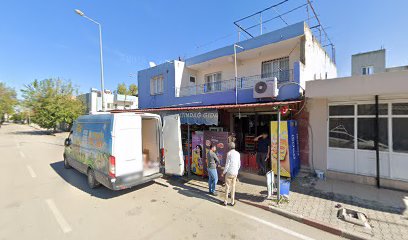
[67,142]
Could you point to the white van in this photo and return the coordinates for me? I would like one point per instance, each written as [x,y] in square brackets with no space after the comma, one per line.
[122,150]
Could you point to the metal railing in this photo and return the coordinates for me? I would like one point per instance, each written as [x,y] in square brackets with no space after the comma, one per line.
[242,83]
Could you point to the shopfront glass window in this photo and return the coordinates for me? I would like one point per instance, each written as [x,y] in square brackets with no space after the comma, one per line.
[400,108]
[369,109]
[341,110]
[366,134]
[341,133]
[400,135]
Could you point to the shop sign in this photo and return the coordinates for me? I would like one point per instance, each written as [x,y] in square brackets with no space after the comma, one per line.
[202,117]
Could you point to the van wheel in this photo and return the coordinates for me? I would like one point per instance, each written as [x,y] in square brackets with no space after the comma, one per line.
[66,164]
[92,182]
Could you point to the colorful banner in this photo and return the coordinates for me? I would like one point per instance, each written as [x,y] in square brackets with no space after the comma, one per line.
[289,148]
[197,164]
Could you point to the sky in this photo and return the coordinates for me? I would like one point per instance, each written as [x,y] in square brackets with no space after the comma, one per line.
[46,39]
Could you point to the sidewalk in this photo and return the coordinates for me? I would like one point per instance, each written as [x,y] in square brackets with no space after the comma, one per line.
[315,200]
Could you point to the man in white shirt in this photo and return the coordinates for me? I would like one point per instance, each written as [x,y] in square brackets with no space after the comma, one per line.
[231,172]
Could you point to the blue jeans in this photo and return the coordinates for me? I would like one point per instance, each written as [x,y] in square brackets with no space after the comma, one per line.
[212,179]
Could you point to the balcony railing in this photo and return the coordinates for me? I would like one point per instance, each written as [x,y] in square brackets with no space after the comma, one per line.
[242,83]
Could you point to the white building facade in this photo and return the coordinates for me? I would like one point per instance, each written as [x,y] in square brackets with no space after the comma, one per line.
[113,101]
[342,116]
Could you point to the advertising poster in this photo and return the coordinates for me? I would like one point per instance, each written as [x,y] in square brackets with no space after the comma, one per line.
[289,148]
[219,139]
[284,146]
[197,164]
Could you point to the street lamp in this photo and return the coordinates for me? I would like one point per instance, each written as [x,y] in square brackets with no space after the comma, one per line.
[278,140]
[80,13]
[236,71]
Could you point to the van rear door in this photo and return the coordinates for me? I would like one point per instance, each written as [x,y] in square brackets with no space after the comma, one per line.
[173,152]
[127,144]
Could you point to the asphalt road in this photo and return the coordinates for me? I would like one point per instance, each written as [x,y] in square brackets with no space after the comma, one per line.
[42,200]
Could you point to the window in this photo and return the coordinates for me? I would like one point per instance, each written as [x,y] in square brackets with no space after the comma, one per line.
[399,135]
[213,82]
[156,85]
[341,126]
[369,109]
[367,70]
[110,105]
[400,108]
[366,134]
[341,110]
[341,133]
[278,68]
[192,79]
[400,127]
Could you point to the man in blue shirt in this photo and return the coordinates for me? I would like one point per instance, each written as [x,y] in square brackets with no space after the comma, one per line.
[263,151]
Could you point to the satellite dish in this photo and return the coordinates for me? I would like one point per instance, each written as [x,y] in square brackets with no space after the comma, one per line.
[152,64]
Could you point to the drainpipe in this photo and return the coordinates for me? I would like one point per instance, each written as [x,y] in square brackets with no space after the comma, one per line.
[376,141]
[188,150]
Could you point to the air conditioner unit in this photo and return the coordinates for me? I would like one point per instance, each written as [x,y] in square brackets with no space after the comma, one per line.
[267,88]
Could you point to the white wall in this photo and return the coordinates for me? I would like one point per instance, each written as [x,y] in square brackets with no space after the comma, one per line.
[374,58]
[318,122]
[187,72]
[317,62]
[391,87]
[178,73]
[245,68]
[370,85]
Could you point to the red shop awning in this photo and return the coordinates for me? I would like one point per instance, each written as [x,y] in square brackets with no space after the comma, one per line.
[225,106]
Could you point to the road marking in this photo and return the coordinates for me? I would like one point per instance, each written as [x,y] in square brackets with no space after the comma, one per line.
[31,171]
[58,216]
[280,228]
[22,154]
[277,227]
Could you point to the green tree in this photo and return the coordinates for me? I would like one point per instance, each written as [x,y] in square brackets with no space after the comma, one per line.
[122,89]
[8,100]
[52,102]
[133,90]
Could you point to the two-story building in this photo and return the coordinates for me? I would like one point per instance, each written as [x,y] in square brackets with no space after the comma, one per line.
[226,82]
[113,101]
[290,54]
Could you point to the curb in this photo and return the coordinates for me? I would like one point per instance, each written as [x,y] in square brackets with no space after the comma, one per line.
[310,222]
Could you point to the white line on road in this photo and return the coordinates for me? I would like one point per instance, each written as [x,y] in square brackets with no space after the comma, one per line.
[58,216]
[31,171]
[280,228]
[22,154]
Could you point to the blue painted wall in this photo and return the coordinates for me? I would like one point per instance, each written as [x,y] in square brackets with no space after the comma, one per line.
[168,98]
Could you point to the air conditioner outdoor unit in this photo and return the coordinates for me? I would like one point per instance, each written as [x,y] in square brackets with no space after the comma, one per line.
[267,88]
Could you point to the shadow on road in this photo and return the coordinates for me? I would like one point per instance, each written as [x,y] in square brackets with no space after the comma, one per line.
[32,133]
[193,192]
[79,181]
[201,192]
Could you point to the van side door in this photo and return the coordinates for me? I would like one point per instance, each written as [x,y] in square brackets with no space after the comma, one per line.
[173,152]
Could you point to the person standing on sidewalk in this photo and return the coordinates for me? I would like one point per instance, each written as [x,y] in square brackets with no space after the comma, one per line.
[213,161]
[263,151]
[231,172]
